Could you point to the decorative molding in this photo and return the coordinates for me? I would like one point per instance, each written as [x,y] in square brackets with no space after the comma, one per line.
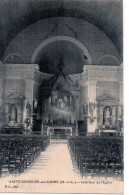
[20,71]
[111,56]
[21,66]
[107,98]
[14,95]
[103,73]
[12,54]
[61,38]
[102,67]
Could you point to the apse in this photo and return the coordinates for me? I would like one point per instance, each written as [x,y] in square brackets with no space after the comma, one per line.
[73,56]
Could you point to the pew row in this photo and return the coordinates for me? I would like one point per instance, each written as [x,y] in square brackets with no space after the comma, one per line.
[97,157]
[18,152]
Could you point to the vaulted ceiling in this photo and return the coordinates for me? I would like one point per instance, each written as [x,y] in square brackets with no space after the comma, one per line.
[15,15]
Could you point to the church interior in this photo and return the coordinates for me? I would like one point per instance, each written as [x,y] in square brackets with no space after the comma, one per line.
[61,81]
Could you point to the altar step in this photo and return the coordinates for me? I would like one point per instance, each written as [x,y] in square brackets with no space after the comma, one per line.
[58,141]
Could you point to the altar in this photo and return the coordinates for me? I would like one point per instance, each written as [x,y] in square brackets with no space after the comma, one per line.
[59,132]
[107,132]
[12,129]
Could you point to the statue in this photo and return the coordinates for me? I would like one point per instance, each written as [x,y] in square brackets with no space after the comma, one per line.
[28,110]
[85,109]
[91,108]
[13,114]
[107,116]
[61,104]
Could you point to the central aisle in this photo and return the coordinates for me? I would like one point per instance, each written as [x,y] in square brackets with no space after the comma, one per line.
[55,162]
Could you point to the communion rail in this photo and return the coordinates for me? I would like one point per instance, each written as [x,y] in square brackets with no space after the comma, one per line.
[97,156]
[18,152]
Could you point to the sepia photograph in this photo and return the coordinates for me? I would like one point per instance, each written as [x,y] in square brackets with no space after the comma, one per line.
[61,96]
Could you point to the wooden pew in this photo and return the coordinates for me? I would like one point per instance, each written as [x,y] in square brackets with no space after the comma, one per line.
[97,155]
[18,152]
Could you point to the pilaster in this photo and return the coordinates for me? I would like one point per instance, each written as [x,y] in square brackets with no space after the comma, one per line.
[29,84]
[92,110]
[121,92]
[1,91]
[1,81]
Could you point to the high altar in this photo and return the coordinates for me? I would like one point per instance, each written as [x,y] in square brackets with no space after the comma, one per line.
[79,103]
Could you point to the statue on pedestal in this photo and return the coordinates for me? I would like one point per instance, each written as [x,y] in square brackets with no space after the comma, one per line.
[91,108]
[107,116]
[28,110]
[13,114]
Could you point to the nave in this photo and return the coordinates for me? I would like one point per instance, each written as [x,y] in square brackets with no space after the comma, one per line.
[55,168]
[77,157]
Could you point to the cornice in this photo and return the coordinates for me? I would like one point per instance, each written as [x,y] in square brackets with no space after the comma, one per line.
[20,66]
[102,67]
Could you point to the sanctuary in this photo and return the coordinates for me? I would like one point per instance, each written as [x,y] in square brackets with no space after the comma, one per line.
[61,90]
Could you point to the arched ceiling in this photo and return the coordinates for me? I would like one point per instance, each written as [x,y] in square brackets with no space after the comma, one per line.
[15,15]
[49,56]
[93,43]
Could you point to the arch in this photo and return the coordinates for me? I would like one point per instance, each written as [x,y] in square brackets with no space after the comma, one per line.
[61,38]
[110,56]
[13,54]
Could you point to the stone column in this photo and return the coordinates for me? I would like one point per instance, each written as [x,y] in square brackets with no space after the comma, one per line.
[113,115]
[83,110]
[76,114]
[101,115]
[1,101]
[92,125]
[120,108]
[1,81]
[121,92]
[1,91]
[18,113]
[77,129]
[28,95]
